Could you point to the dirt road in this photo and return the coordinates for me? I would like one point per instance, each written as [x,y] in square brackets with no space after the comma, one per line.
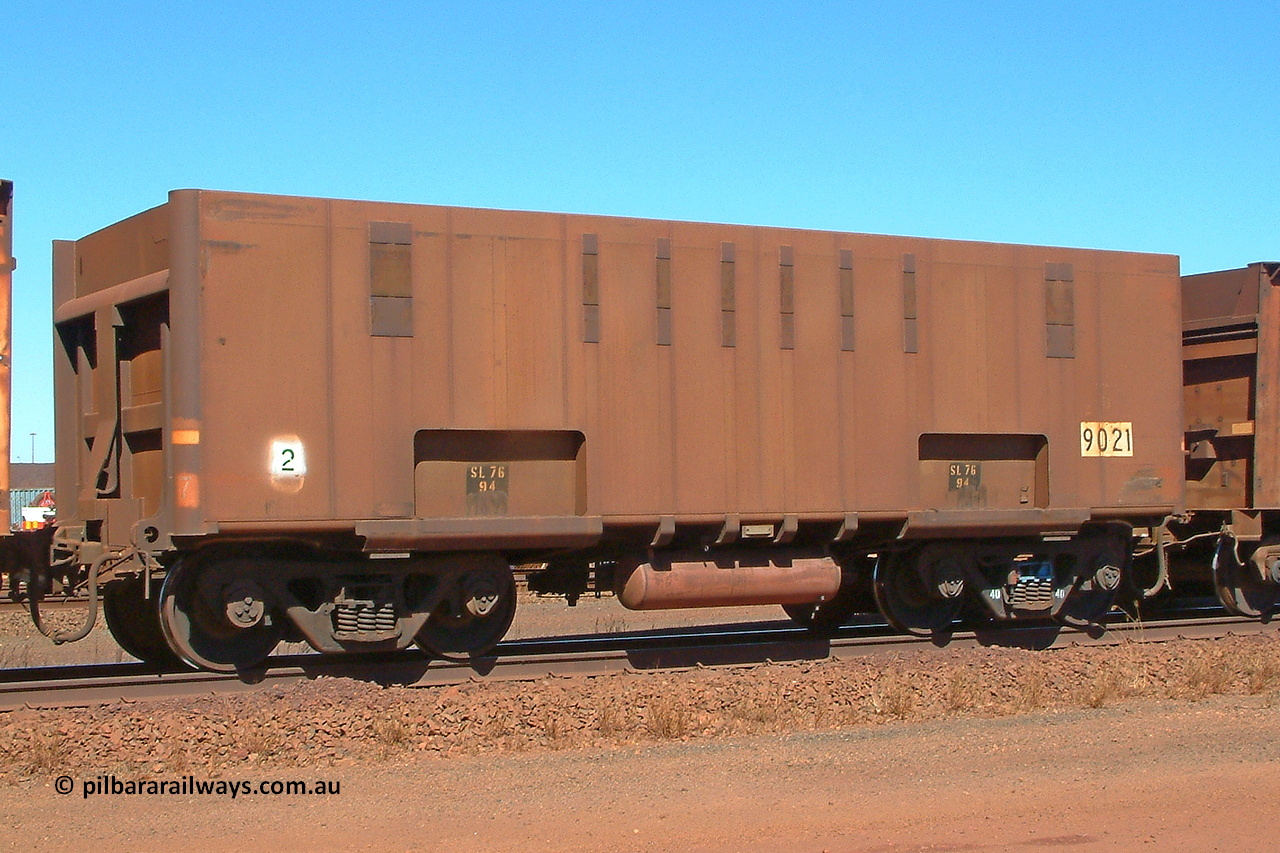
[1154,775]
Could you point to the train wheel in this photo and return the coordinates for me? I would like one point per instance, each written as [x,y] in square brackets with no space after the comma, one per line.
[832,613]
[1088,603]
[922,592]
[469,623]
[1086,608]
[134,622]
[196,612]
[1240,587]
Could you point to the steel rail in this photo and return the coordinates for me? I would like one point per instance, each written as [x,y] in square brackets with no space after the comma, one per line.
[523,660]
[51,603]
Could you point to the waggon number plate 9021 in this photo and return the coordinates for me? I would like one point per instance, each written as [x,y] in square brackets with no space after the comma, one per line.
[1106,438]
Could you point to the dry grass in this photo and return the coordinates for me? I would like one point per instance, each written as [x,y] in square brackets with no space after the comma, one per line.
[498,726]
[666,720]
[553,728]
[1260,670]
[1206,673]
[761,714]
[610,625]
[264,744]
[390,735]
[893,697]
[360,721]
[609,721]
[15,657]
[1135,671]
[963,692]
[390,732]
[45,754]
[1033,691]
[1103,689]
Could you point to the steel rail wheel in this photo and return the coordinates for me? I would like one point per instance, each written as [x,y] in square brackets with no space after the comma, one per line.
[193,618]
[1105,564]
[470,622]
[134,622]
[1240,587]
[1087,603]
[920,593]
[1085,608]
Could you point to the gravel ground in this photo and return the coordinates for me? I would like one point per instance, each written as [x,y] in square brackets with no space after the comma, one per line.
[339,722]
[1139,746]
[1141,775]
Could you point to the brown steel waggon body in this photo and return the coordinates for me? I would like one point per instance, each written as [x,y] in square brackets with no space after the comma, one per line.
[22,552]
[347,421]
[7,264]
[6,355]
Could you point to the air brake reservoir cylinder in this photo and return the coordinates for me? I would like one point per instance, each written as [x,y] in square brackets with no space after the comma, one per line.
[726,579]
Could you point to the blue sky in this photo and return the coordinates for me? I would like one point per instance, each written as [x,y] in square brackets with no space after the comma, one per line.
[1140,126]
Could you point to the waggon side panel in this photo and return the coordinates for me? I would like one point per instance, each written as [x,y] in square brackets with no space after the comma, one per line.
[752,264]
[1132,359]
[122,252]
[375,425]
[881,395]
[68,447]
[700,392]
[266,346]
[771,401]
[813,450]
[630,420]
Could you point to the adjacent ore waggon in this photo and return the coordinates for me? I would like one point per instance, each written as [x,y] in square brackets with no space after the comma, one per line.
[6,289]
[353,423]
[1231,404]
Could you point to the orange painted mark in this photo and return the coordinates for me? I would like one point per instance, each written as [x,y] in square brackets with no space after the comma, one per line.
[186,436]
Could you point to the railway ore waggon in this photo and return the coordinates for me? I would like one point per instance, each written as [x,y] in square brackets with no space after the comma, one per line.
[6,326]
[1231,396]
[20,551]
[347,422]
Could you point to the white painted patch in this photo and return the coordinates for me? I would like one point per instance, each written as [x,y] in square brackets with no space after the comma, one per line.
[288,463]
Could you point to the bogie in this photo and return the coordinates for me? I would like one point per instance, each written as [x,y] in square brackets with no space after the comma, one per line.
[927,589]
[227,610]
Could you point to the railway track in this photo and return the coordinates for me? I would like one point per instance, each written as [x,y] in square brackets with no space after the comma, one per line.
[728,645]
[52,603]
